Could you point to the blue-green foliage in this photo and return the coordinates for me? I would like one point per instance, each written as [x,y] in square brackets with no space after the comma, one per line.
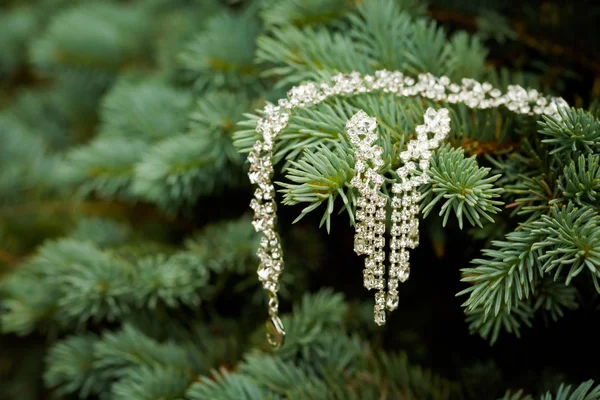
[120,117]
[17,28]
[110,35]
[222,54]
[585,391]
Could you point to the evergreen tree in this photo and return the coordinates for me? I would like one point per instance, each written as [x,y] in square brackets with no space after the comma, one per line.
[128,257]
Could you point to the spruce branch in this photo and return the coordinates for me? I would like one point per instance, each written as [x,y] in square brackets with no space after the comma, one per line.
[175,23]
[315,314]
[407,380]
[17,28]
[128,363]
[506,276]
[147,111]
[489,327]
[42,114]
[320,176]
[84,283]
[313,127]
[325,363]
[467,56]
[302,12]
[177,171]
[427,51]
[71,370]
[365,378]
[214,116]
[571,237]
[395,39]
[580,180]
[23,161]
[23,307]
[170,281]
[381,29]
[282,377]
[226,246]
[577,132]
[110,36]
[536,196]
[584,391]
[222,55]
[222,385]
[116,354]
[92,284]
[464,186]
[105,166]
[158,163]
[152,383]
[102,232]
[512,281]
[308,54]
[553,297]
[59,114]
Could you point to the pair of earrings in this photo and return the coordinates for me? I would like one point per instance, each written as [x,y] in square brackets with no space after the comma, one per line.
[371,212]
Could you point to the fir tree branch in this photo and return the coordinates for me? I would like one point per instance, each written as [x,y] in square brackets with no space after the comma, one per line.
[221,56]
[71,367]
[323,362]
[577,132]
[152,383]
[320,177]
[539,194]
[580,181]
[465,187]
[308,53]
[226,246]
[584,391]
[571,237]
[507,281]
[105,166]
[225,386]
[147,111]
[302,12]
[111,36]
[177,171]
[507,275]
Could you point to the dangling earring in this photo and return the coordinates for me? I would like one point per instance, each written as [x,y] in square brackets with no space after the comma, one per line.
[405,206]
[370,215]
[370,210]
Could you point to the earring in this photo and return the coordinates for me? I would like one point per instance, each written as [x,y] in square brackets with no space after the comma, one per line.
[370,215]
[370,209]
[405,206]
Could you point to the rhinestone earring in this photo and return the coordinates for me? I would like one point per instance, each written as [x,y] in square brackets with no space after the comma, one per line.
[405,206]
[370,215]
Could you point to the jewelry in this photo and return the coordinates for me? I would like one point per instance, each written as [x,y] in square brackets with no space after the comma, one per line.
[275,118]
[405,200]
[370,207]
